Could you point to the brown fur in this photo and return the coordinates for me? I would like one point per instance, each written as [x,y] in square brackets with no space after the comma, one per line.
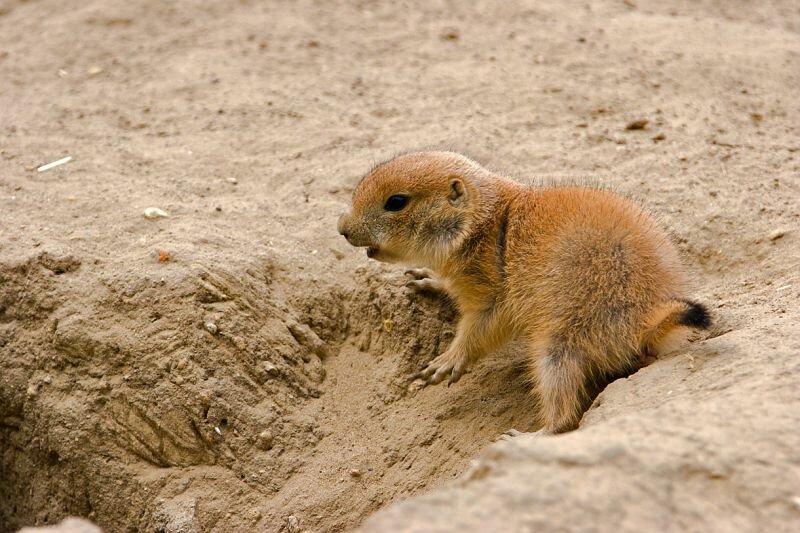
[584,277]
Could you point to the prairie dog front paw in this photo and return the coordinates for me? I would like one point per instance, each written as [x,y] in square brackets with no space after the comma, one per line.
[450,364]
[424,280]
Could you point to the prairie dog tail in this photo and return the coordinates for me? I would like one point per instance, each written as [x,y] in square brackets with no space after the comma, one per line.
[666,325]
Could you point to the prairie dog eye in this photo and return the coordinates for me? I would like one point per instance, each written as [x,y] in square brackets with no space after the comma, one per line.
[396,202]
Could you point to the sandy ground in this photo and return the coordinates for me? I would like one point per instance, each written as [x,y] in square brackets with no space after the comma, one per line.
[257,378]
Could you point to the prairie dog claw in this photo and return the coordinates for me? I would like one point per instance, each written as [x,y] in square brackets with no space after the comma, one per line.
[425,285]
[449,364]
[419,273]
[423,280]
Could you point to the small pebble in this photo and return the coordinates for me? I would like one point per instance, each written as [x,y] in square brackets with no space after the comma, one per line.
[388,325]
[152,213]
[233,181]
[637,124]
[265,440]
[270,368]
[355,472]
[217,430]
[450,34]
[777,234]
[211,327]
[94,71]
[416,385]
[47,379]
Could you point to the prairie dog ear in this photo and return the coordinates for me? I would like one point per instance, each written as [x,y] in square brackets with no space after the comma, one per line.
[457,194]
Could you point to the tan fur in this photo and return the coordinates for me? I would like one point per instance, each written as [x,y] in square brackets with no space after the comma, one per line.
[583,276]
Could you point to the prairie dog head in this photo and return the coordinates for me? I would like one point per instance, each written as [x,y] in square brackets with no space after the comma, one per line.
[416,208]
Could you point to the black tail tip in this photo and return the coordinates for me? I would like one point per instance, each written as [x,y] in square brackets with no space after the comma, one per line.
[695,316]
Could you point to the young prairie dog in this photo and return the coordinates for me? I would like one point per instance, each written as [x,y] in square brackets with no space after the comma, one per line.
[583,277]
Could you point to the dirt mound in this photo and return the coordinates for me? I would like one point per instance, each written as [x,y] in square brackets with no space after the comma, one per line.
[234,365]
[698,442]
[170,389]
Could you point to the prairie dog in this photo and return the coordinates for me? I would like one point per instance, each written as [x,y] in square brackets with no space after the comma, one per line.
[585,278]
